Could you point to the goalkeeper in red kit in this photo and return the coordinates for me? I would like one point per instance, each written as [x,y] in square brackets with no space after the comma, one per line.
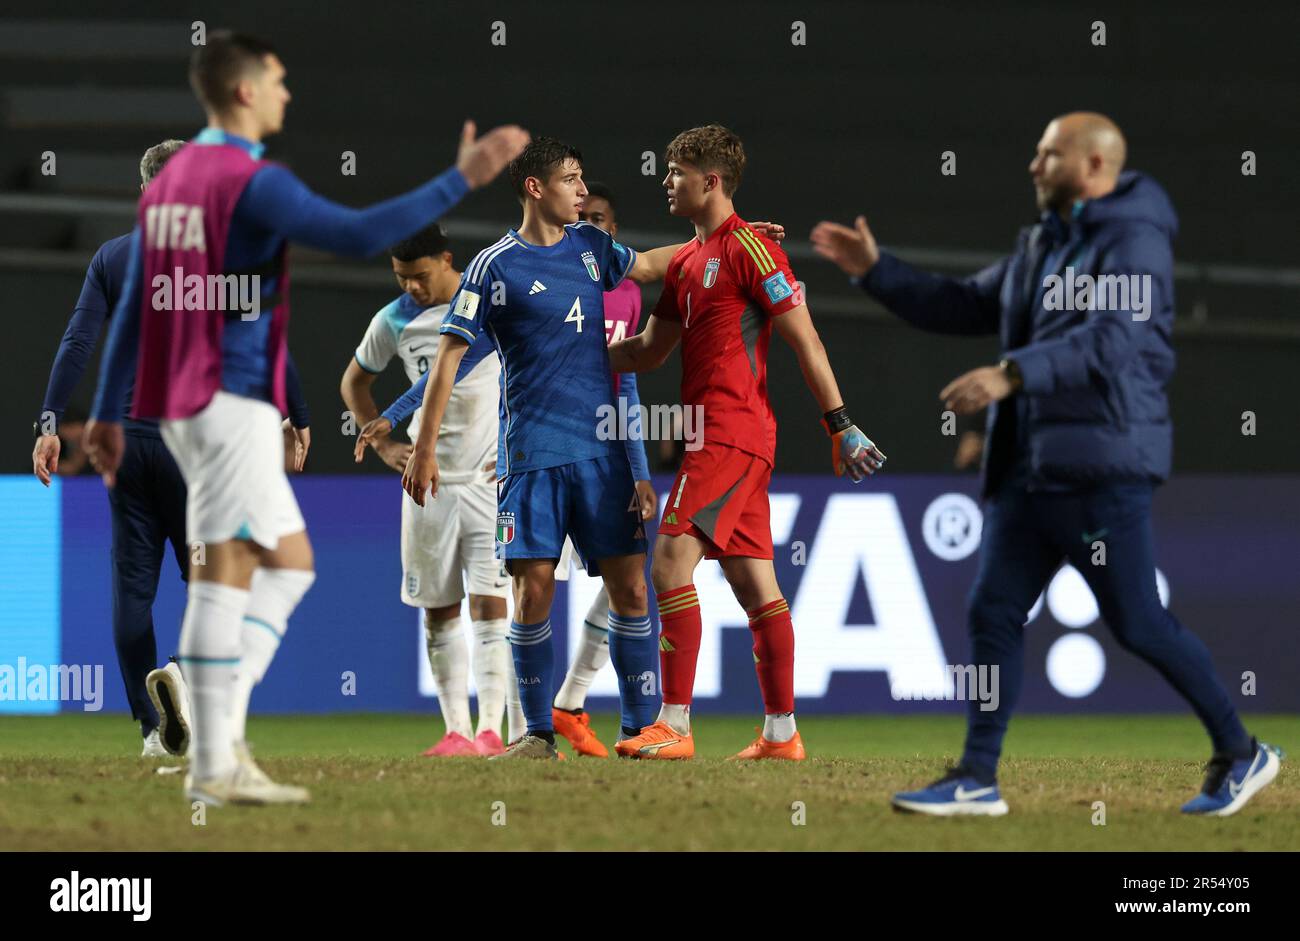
[723,292]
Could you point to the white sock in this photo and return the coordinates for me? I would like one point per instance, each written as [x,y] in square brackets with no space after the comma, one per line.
[516,721]
[677,717]
[274,596]
[492,672]
[210,646]
[449,661]
[598,613]
[778,726]
[592,655]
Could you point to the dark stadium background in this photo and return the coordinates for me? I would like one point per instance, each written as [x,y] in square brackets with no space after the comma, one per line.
[855,120]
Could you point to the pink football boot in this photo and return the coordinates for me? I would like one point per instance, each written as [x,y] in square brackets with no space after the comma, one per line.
[453,745]
[488,743]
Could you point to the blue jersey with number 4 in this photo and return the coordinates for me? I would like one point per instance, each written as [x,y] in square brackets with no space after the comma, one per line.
[543,310]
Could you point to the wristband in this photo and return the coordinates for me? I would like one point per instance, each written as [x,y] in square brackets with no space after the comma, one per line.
[836,420]
[1012,369]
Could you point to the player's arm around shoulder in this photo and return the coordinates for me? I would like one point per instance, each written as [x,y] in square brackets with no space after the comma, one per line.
[651,265]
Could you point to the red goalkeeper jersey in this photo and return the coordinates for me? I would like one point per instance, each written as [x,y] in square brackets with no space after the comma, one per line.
[725,292]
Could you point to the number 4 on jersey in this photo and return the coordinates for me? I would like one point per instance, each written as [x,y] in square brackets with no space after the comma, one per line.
[575,313]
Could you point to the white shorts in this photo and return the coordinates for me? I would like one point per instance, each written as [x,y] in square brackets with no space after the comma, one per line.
[231,455]
[448,544]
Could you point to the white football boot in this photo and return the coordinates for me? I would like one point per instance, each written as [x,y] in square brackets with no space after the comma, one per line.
[171,699]
[153,746]
[245,784]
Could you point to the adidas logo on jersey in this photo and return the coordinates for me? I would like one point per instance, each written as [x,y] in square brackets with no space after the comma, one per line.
[671,519]
[537,288]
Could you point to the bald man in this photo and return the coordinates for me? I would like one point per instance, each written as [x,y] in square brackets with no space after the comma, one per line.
[1078,437]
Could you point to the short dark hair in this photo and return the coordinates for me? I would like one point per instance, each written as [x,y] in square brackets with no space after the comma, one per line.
[156,157]
[217,66]
[542,157]
[601,191]
[429,242]
[714,149]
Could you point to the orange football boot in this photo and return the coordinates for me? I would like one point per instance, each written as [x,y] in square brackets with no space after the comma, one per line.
[762,748]
[657,741]
[576,729]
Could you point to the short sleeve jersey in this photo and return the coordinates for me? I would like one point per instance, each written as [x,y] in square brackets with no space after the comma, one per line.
[543,308]
[468,439]
[724,292]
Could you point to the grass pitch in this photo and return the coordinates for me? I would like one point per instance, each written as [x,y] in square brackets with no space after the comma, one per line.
[75,782]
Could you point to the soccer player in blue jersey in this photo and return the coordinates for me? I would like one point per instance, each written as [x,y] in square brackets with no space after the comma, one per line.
[537,295]
[622,314]
[218,212]
[446,547]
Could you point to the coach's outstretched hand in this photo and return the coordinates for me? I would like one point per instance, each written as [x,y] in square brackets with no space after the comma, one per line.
[421,475]
[104,444]
[973,391]
[480,161]
[854,250]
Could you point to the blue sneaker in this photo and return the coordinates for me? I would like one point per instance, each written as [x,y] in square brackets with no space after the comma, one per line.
[1229,783]
[957,792]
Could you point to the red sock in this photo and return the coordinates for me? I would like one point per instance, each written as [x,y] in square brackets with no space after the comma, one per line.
[774,655]
[679,642]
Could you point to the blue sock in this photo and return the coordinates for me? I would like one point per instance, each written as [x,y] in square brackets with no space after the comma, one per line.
[634,651]
[535,668]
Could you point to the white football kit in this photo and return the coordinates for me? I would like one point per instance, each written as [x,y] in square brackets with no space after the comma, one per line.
[448,544]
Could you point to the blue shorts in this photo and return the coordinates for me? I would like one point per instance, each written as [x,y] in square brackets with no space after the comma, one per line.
[593,501]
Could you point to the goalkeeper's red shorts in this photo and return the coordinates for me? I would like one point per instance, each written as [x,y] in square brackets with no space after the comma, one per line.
[720,498]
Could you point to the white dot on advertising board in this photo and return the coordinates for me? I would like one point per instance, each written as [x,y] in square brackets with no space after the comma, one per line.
[1070,599]
[1075,665]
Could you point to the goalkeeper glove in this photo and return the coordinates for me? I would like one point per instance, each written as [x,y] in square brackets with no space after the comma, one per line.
[851,450]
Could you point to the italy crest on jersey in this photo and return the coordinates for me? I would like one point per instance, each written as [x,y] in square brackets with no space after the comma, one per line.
[711,272]
[589,262]
[506,528]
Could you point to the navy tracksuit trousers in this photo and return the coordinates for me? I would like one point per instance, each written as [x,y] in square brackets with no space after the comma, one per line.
[1026,537]
[148,509]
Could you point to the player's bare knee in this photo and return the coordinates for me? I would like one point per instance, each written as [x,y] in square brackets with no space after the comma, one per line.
[534,589]
[628,596]
[486,607]
[291,552]
[753,583]
[232,563]
[667,574]
[443,618]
